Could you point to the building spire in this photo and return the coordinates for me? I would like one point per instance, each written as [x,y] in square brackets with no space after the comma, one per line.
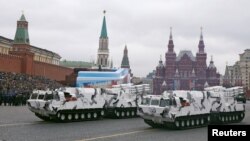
[22,18]
[103,50]
[201,43]
[125,60]
[211,65]
[201,36]
[104,27]
[170,42]
[170,37]
[22,35]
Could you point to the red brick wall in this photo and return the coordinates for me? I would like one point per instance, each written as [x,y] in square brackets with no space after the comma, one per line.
[10,63]
[14,63]
[53,72]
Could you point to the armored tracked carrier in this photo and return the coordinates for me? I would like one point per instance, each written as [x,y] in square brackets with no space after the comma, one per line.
[74,104]
[187,109]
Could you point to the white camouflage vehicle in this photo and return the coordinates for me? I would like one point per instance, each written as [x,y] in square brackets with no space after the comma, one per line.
[188,109]
[73,104]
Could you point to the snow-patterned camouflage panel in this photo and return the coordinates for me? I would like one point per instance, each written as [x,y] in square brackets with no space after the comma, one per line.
[81,98]
[223,100]
[71,98]
[125,95]
[173,104]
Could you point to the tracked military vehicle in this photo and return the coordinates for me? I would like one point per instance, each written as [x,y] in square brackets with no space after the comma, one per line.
[74,104]
[187,109]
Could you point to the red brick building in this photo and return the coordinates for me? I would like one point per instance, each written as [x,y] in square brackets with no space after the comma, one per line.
[22,57]
[185,71]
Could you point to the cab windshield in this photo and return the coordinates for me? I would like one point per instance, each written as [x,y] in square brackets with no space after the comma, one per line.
[34,96]
[155,102]
[145,101]
[41,96]
[48,97]
[167,102]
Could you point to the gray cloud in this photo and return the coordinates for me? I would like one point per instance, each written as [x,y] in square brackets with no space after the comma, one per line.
[72,28]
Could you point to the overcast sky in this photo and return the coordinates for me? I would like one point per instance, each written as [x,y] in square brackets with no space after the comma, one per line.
[72,28]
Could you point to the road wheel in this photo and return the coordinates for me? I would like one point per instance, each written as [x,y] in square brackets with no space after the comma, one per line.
[102,113]
[233,117]
[95,115]
[230,118]
[188,123]
[208,119]
[222,118]
[117,114]
[132,113]
[177,123]
[69,116]
[128,113]
[236,117]
[202,121]
[197,122]
[82,116]
[58,114]
[122,114]
[89,115]
[76,116]
[192,122]
[62,117]
[242,115]
[226,118]
[182,123]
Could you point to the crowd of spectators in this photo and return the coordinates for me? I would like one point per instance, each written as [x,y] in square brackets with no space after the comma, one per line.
[15,88]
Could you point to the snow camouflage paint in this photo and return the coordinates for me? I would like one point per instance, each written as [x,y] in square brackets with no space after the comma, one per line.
[186,109]
[70,103]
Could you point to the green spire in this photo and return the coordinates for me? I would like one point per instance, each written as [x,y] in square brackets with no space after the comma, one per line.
[125,61]
[104,28]
[22,18]
[22,35]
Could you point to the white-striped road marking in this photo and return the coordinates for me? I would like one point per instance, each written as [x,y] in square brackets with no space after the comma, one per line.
[15,124]
[115,135]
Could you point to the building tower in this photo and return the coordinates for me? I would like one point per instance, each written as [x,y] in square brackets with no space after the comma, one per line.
[201,64]
[21,46]
[159,77]
[125,61]
[21,41]
[170,57]
[212,73]
[103,50]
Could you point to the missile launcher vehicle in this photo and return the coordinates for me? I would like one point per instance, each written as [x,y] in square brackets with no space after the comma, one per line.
[75,104]
[181,109]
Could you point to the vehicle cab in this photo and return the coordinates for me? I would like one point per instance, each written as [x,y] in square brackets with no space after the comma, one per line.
[41,101]
[149,106]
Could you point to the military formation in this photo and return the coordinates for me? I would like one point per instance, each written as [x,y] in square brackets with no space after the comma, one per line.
[7,99]
[15,88]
